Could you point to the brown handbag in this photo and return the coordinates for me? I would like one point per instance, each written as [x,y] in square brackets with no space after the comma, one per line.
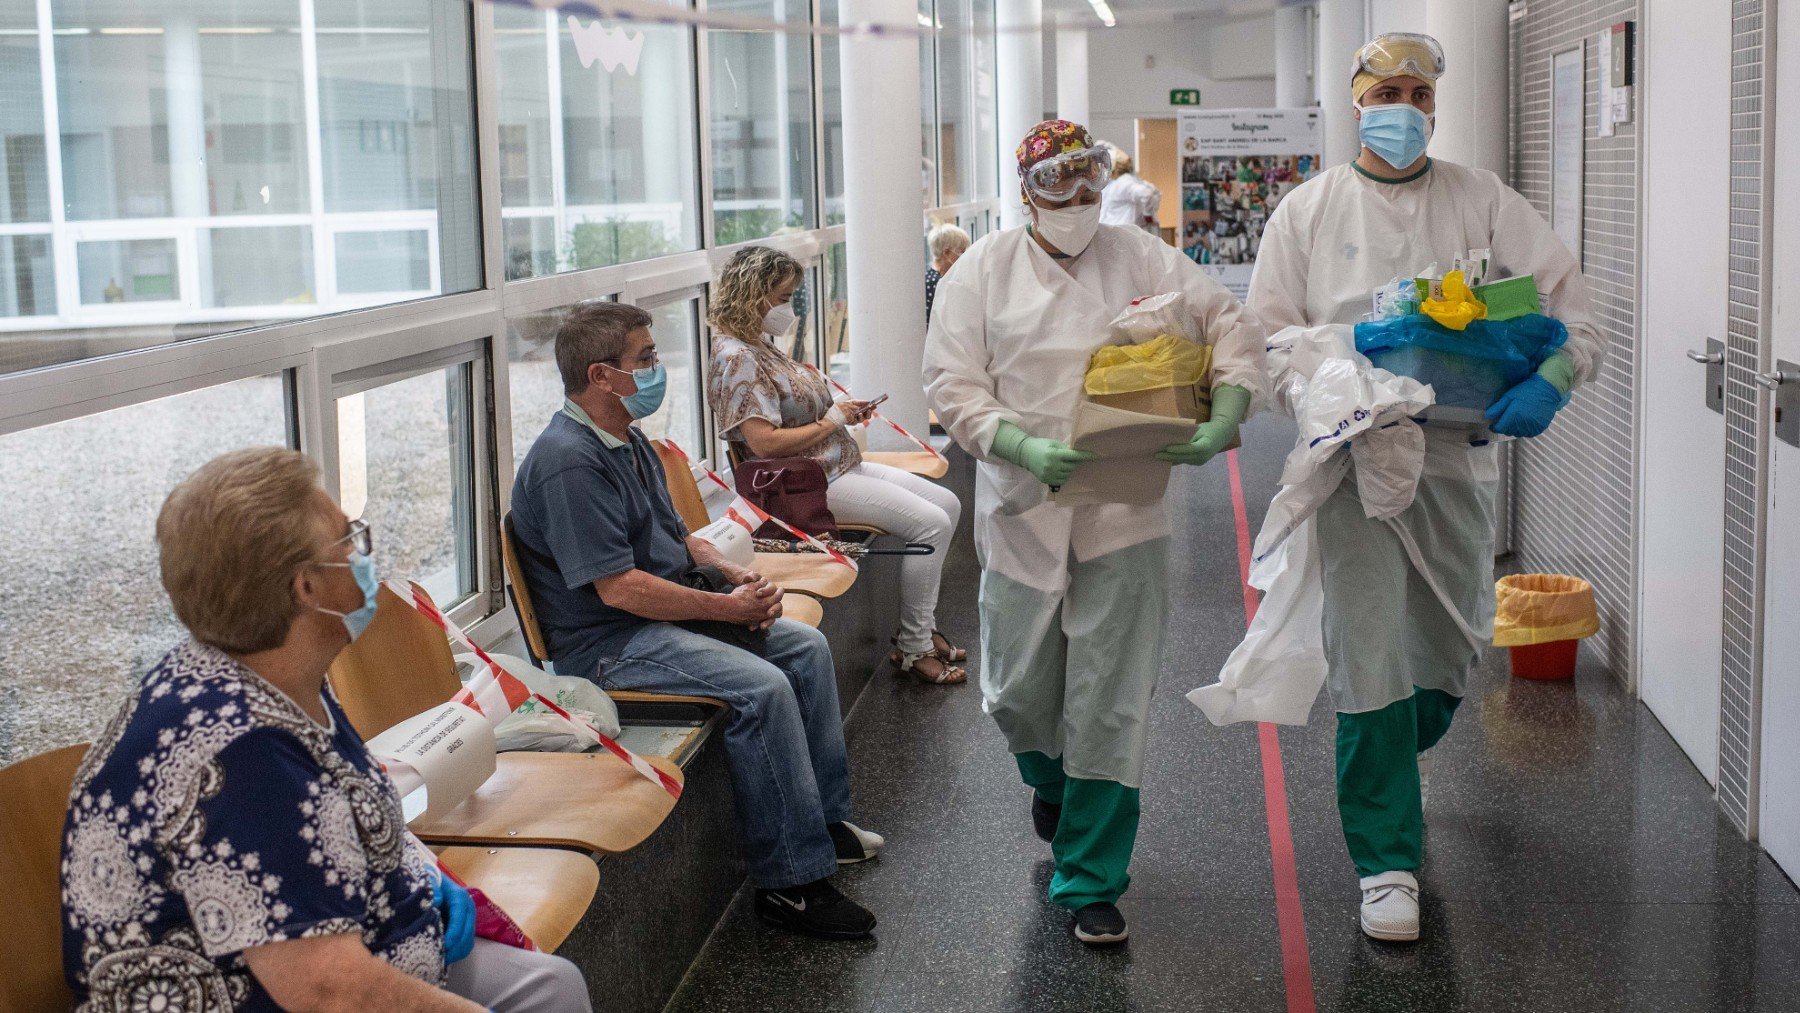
[791,488]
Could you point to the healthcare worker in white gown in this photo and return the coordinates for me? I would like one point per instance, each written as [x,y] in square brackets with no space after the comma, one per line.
[1073,600]
[1398,660]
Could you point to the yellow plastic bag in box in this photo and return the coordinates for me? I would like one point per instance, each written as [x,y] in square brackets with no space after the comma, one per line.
[1161,362]
[1542,608]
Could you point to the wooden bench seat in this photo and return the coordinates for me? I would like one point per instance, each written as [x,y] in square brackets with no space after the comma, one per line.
[545,890]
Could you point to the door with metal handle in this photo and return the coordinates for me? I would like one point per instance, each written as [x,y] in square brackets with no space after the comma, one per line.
[1714,361]
[1785,382]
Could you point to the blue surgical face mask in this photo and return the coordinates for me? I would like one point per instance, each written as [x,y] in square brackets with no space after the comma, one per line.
[1398,133]
[363,569]
[652,383]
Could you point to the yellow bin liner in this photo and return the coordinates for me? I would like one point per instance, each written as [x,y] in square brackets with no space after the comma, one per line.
[1542,608]
[1159,363]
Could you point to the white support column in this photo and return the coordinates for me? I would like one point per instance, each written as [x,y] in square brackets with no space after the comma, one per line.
[185,100]
[1020,59]
[1471,98]
[882,148]
[1293,49]
[1341,32]
[1072,74]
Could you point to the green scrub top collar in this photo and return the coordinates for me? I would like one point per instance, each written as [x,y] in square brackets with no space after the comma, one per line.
[1366,174]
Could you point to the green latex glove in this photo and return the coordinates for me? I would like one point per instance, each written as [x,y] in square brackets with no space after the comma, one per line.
[1229,403]
[1559,369]
[1049,461]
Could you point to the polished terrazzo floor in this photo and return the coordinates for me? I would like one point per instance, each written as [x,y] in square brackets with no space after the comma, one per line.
[1575,859]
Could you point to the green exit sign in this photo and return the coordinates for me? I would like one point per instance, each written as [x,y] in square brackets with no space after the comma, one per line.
[1184,96]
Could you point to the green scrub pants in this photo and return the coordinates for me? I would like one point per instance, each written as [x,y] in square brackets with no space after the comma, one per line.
[1095,836]
[1378,779]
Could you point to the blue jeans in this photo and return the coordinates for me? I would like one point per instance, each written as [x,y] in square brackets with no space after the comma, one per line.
[784,740]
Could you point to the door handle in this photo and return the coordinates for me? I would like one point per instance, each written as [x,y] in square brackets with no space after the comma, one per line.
[1707,358]
[1774,380]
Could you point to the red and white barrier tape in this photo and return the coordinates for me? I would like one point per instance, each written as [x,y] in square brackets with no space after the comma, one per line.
[742,512]
[495,692]
[895,426]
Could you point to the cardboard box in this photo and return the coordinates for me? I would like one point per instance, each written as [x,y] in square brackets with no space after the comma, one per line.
[1172,402]
[1193,401]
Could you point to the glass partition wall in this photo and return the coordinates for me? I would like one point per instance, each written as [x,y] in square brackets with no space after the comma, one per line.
[352,228]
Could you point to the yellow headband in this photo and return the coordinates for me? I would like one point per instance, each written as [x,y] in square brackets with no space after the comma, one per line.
[1363,81]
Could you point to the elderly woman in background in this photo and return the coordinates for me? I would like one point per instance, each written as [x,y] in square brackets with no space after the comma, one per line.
[231,843]
[768,406]
[947,243]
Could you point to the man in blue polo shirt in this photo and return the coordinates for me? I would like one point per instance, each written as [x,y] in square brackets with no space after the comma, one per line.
[604,554]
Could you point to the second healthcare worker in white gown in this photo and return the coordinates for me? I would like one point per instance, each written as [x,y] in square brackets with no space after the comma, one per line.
[1072,599]
[1398,660]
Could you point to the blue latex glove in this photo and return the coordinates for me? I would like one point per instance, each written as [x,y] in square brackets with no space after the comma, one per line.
[1526,409]
[457,909]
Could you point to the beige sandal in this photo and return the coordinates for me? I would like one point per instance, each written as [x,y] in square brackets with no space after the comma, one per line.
[946,675]
[949,652]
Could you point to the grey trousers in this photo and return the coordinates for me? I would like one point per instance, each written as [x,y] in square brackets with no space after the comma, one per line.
[506,979]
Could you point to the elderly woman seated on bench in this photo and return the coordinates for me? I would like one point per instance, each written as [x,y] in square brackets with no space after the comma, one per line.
[231,843]
[613,572]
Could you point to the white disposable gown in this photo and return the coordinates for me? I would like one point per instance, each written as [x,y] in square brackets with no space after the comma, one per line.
[1069,660]
[1130,200]
[1402,595]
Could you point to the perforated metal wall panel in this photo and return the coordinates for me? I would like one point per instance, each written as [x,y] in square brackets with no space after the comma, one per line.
[1573,487]
[1746,444]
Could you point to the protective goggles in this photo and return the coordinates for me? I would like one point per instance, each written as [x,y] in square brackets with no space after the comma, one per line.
[1401,54]
[1062,177]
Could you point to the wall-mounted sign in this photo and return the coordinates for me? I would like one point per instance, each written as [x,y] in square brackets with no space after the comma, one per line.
[1236,166]
[1184,96]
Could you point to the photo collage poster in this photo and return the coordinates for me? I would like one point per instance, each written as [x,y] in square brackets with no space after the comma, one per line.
[1236,166]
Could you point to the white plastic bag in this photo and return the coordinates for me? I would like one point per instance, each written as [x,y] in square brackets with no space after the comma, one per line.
[536,728]
[1153,316]
[1276,672]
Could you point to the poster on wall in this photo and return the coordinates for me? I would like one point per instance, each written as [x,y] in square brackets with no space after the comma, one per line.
[1236,166]
[1568,123]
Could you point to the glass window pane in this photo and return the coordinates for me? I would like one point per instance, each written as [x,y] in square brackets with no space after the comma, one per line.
[24,176]
[192,182]
[837,311]
[406,465]
[27,281]
[955,129]
[180,110]
[986,103]
[85,611]
[832,103]
[389,262]
[536,385]
[262,266]
[928,105]
[601,114]
[761,86]
[130,270]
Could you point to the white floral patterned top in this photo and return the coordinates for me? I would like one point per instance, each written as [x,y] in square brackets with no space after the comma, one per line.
[212,816]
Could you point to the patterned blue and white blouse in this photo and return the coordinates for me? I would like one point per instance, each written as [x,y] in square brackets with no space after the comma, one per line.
[214,815]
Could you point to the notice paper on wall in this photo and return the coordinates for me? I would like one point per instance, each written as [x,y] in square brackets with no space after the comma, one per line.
[450,747]
[1126,469]
[1236,166]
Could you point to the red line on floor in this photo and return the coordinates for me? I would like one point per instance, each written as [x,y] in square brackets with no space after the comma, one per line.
[1296,960]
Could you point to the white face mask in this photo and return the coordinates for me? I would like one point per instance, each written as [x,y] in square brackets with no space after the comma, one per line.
[779,320]
[1068,229]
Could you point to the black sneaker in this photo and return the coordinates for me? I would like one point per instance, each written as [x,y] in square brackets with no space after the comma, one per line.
[853,843]
[1100,925]
[816,909]
[1044,818]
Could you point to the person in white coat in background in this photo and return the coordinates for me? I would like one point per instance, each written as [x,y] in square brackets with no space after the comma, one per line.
[1072,600]
[1129,199]
[1398,659]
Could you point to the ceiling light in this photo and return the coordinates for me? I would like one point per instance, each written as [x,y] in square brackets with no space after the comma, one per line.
[1103,11]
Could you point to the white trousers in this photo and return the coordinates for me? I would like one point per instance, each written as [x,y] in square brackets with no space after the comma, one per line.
[507,979]
[905,506]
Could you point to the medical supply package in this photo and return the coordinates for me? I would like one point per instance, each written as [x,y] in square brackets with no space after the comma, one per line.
[1163,376]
